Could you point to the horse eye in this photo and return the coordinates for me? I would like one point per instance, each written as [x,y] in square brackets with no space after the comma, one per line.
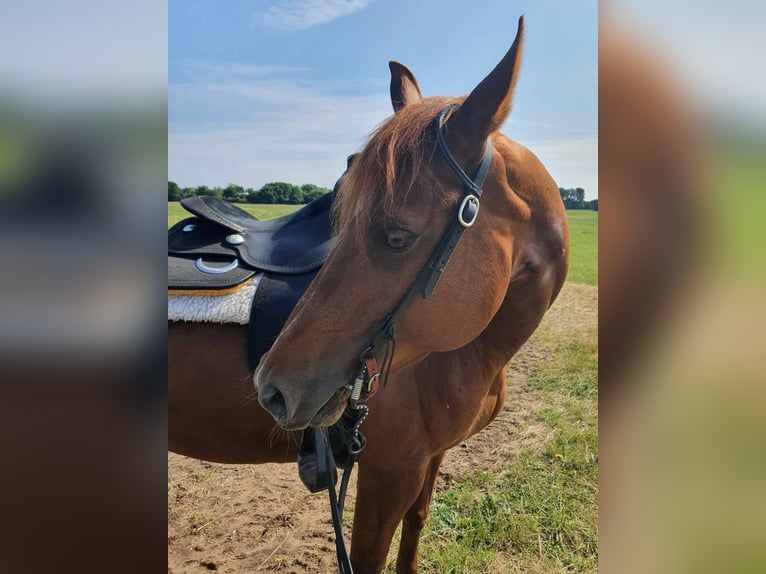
[399,239]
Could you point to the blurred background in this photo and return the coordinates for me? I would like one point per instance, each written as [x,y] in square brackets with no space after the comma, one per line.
[83,165]
[682,168]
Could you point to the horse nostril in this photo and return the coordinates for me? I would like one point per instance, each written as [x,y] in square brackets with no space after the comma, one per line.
[272,399]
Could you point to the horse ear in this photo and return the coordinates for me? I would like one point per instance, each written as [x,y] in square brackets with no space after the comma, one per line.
[404,86]
[489,104]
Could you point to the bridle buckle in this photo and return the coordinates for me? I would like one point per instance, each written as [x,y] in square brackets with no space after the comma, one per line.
[367,380]
[468,211]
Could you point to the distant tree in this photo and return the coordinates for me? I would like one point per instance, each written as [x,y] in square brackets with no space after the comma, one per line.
[174,192]
[566,196]
[233,192]
[282,192]
[573,198]
[202,190]
[594,204]
[189,191]
[263,195]
[312,192]
[294,195]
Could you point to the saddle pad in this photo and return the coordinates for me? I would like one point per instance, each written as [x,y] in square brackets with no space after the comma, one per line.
[232,306]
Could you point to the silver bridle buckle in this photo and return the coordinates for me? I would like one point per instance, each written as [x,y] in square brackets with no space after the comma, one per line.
[468,202]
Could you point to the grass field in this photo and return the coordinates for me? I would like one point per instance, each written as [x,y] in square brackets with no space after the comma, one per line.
[583,238]
[176,213]
[583,229]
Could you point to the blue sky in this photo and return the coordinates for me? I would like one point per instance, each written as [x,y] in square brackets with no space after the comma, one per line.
[284,90]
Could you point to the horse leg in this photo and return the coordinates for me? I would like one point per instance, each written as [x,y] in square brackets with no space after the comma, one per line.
[383,495]
[415,519]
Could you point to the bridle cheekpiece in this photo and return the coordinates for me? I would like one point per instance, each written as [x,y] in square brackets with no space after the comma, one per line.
[384,340]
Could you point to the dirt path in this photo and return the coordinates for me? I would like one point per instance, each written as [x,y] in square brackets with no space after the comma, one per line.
[240,518]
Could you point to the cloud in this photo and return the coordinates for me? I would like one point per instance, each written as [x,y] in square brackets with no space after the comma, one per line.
[302,14]
[193,69]
[254,125]
[254,130]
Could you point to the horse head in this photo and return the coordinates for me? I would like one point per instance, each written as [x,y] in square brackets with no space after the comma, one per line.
[391,212]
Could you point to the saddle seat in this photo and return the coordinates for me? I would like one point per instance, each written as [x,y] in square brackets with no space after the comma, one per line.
[222,245]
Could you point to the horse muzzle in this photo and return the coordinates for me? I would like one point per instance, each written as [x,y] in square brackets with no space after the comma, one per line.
[295,407]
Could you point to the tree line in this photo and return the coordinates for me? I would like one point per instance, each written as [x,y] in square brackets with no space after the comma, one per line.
[275,192]
[281,192]
[575,199]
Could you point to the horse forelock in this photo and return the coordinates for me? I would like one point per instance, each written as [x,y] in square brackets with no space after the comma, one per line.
[392,160]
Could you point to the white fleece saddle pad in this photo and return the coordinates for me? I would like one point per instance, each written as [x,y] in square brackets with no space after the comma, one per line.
[230,307]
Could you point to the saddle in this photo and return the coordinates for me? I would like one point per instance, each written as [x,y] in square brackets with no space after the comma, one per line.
[222,246]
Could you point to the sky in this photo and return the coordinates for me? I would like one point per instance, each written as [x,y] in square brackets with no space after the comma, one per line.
[715,49]
[284,90]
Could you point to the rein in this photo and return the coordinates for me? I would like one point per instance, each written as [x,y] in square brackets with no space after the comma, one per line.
[383,342]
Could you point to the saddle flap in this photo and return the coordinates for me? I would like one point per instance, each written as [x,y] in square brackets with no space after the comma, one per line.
[190,274]
[294,243]
[218,211]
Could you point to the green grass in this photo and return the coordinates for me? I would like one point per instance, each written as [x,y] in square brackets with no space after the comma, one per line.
[583,255]
[176,213]
[736,210]
[539,516]
[539,513]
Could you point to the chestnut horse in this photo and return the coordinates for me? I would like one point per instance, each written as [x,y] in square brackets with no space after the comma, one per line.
[448,376]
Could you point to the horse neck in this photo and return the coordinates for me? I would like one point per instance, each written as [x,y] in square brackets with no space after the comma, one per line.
[530,204]
[531,289]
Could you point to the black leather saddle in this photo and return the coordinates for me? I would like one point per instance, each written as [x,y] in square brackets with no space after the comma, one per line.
[223,245]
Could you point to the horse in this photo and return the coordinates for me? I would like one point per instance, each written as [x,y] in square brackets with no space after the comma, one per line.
[446,374]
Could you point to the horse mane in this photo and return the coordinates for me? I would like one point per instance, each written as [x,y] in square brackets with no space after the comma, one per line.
[386,170]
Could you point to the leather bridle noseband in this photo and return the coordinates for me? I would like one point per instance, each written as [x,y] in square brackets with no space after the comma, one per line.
[383,342]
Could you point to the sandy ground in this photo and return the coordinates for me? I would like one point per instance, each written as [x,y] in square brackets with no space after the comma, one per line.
[260,518]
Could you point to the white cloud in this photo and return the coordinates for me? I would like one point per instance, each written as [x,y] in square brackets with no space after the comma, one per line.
[211,71]
[270,129]
[302,14]
[252,126]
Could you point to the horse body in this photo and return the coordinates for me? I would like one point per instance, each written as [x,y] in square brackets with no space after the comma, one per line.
[447,380]
[213,413]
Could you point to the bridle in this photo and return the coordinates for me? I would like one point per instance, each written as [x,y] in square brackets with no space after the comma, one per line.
[383,341]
